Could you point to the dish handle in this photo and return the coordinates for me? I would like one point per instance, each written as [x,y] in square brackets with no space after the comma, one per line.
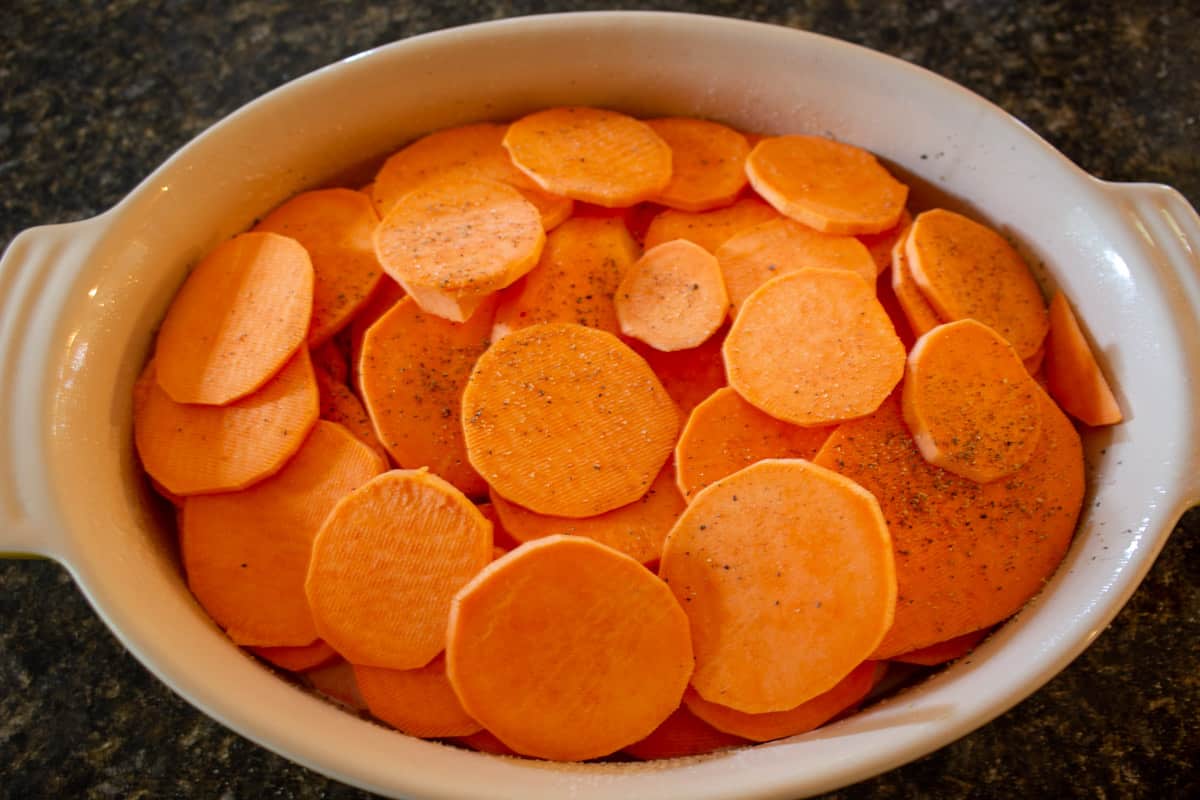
[1170,229]
[37,277]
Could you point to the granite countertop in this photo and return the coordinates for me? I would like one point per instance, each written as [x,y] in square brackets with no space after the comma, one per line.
[96,94]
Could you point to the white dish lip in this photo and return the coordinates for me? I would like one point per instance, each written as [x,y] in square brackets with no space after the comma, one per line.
[1168,232]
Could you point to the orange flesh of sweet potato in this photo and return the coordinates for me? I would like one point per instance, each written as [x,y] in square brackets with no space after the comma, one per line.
[336,227]
[387,562]
[453,241]
[751,258]
[197,449]
[412,369]
[827,185]
[246,553]
[1073,376]
[708,162]
[968,555]
[673,297]
[602,157]
[807,716]
[967,270]
[709,229]
[813,347]
[237,320]
[725,433]
[568,650]
[575,279]
[637,529]
[785,570]
[419,702]
[567,421]
[970,403]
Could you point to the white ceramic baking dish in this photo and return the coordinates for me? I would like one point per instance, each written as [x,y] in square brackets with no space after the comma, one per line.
[79,304]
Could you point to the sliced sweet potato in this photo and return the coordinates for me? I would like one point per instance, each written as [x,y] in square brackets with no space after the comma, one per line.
[575,279]
[968,271]
[786,573]
[591,154]
[708,163]
[673,297]
[970,403]
[387,562]
[827,185]
[942,652]
[709,229]
[198,449]
[455,240]
[724,433]
[246,553]
[336,227]
[1072,374]
[968,555]
[637,529]
[237,320]
[297,658]
[419,702]
[566,420]
[412,371]
[568,650]
[683,734]
[751,258]
[813,347]
[807,716]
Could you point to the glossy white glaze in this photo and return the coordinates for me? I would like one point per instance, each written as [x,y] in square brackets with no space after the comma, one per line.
[79,303]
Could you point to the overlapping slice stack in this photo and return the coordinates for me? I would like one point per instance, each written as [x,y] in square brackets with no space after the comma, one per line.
[588,433]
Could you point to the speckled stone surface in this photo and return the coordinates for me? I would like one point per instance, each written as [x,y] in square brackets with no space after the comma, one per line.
[95,95]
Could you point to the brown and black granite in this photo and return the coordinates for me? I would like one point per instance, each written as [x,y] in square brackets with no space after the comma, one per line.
[95,95]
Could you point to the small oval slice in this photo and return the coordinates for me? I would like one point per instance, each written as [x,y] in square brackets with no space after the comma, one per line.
[970,403]
[246,553]
[240,315]
[814,347]
[386,564]
[785,570]
[590,154]
[199,449]
[336,227]
[566,420]
[673,297]
[827,185]
[456,239]
[967,270]
[568,650]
